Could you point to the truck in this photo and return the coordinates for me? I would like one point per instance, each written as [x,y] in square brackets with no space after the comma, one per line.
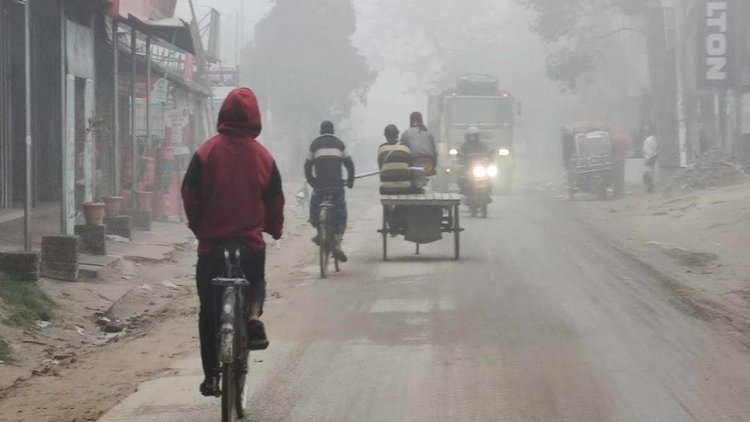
[475,100]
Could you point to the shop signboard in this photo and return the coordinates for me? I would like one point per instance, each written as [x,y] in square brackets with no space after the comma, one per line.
[722,45]
[177,121]
[79,50]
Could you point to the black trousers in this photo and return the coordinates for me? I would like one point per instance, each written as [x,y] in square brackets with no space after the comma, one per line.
[210,266]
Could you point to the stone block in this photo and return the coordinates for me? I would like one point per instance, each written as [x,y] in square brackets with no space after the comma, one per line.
[60,257]
[21,266]
[140,220]
[60,243]
[67,271]
[91,239]
[119,226]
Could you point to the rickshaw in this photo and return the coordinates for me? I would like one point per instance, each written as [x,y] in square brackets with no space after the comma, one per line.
[587,156]
[425,217]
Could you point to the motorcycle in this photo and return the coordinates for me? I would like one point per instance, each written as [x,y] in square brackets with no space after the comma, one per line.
[478,185]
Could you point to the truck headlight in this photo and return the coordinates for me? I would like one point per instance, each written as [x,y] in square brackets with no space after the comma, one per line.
[503,152]
[479,171]
[492,171]
[453,152]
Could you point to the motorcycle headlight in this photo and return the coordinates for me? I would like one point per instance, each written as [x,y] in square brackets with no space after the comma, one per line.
[479,171]
[492,171]
[453,152]
[503,152]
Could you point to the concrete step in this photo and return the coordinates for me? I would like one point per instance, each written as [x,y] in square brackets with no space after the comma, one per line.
[92,266]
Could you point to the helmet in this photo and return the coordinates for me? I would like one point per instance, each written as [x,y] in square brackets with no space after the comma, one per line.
[472,134]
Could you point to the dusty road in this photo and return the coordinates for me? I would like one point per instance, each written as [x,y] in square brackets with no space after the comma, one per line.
[541,321]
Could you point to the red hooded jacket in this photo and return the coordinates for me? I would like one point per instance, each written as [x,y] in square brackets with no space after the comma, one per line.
[232,189]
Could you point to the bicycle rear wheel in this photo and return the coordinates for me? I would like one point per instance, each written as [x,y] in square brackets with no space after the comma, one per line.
[240,392]
[323,261]
[228,393]
[324,234]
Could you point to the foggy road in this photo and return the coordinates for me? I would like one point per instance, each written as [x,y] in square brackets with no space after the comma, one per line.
[540,321]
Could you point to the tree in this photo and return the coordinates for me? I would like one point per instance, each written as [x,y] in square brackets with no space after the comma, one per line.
[438,39]
[579,33]
[304,68]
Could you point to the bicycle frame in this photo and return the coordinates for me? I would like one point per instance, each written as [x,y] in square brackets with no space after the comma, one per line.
[325,234]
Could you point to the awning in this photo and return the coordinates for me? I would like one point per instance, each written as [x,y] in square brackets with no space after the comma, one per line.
[172,30]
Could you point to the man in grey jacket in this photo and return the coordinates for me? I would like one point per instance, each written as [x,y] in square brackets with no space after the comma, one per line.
[421,142]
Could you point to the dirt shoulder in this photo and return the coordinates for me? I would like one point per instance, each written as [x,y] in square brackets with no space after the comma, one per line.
[700,238]
[112,333]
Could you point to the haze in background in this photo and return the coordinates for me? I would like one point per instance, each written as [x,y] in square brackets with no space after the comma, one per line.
[249,12]
[420,46]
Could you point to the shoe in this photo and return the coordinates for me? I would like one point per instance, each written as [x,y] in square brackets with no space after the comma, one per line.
[316,239]
[256,335]
[337,252]
[340,255]
[210,387]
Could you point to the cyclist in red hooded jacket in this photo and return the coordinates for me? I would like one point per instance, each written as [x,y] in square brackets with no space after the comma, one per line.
[232,194]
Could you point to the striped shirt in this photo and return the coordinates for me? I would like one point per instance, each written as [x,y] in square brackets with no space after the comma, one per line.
[394,161]
[323,166]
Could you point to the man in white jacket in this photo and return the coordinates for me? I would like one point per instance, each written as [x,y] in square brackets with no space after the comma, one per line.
[650,155]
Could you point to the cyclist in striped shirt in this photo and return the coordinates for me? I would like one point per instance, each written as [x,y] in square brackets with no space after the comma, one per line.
[396,177]
[394,160]
[323,173]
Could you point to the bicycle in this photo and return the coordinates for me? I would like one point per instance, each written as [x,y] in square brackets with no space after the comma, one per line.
[232,345]
[326,240]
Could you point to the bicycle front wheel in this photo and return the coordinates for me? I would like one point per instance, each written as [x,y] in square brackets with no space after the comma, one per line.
[228,393]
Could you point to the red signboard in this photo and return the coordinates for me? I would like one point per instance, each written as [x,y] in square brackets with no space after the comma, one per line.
[165,7]
[142,9]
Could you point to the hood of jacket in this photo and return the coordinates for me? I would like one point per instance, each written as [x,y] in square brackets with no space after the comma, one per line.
[240,115]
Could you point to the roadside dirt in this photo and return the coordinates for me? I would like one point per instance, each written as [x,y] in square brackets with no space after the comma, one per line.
[98,351]
[701,237]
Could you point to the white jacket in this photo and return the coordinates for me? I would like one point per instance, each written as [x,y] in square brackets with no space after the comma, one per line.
[650,147]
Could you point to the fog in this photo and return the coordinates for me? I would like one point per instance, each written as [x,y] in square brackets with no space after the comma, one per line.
[413,49]
[558,236]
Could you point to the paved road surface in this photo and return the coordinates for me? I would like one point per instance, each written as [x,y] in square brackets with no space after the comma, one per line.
[540,322]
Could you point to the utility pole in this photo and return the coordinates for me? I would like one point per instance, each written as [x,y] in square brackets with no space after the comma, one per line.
[662,65]
[27,59]
[133,138]
[683,97]
[148,91]
[116,107]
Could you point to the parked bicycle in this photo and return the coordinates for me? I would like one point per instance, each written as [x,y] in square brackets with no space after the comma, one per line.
[326,238]
[233,352]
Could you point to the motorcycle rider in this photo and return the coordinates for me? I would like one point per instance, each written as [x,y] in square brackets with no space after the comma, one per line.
[472,149]
[421,142]
[323,172]
[232,194]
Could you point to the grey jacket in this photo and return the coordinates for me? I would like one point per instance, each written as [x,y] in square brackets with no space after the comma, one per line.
[421,143]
